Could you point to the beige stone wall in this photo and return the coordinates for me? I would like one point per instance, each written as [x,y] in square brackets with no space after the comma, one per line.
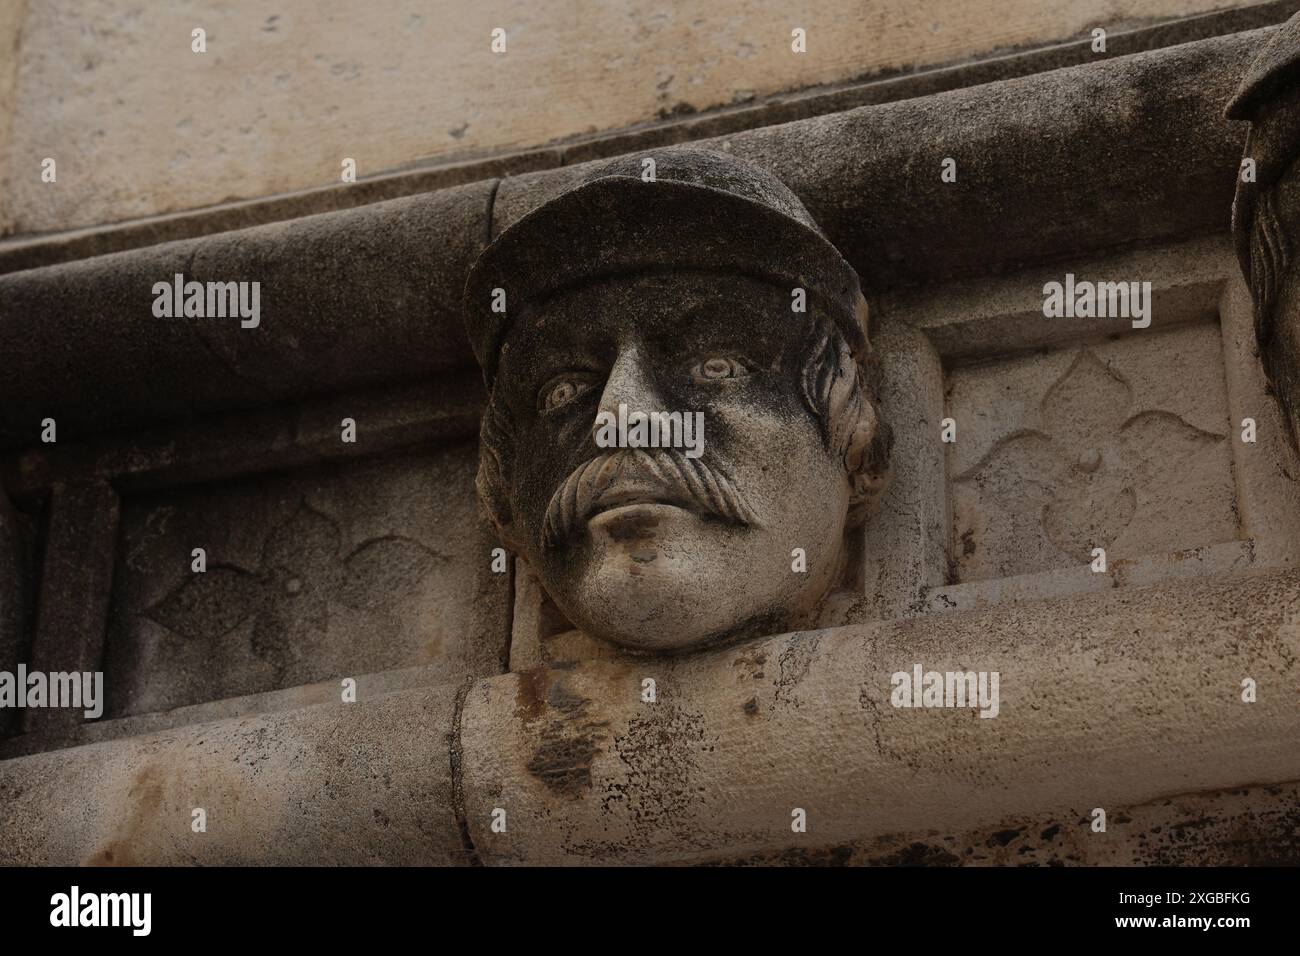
[140,125]
[11,21]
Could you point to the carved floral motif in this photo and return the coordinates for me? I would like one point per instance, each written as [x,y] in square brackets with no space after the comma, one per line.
[301,574]
[1087,465]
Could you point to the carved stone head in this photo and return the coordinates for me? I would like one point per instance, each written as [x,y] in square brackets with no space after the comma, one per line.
[701,288]
[1266,212]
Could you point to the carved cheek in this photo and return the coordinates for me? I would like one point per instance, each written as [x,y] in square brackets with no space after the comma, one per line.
[754,423]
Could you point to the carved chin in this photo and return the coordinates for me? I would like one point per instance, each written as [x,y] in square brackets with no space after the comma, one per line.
[647,577]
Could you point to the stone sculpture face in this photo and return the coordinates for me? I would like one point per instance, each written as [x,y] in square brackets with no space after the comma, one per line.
[666,548]
[1266,213]
[647,546]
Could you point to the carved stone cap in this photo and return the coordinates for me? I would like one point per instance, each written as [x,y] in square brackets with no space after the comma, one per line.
[1276,67]
[703,211]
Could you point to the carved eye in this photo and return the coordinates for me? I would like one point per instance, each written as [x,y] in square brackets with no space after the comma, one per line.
[717,368]
[561,391]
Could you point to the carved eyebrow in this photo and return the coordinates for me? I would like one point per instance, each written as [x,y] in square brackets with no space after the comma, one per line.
[545,357]
[581,375]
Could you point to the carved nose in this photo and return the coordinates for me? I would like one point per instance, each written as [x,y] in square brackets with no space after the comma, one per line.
[630,384]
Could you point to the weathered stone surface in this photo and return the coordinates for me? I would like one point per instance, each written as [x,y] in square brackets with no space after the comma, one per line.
[871,176]
[1107,445]
[29,252]
[15,556]
[345,292]
[983,328]
[1117,697]
[393,85]
[904,546]
[994,316]
[34,252]
[348,300]
[736,738]
[1268,472]
[1230,558]
[267,438]
[76,580]
[11,24]
[248,705]
[346,784]
[1255,826]
[1110,700]
[332,571]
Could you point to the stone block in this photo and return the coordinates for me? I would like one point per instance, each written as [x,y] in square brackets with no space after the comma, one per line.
[1107,445]
[328,571]
[348,300]
[1114,699]
[336,784]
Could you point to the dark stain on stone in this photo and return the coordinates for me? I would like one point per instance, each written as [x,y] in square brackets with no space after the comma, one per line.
[1051,832]
[569,742]
[678,109]
[796,856]
[754,664]
[794,662]
[530,695]
[1003,837]
[146,798]
[564,765]
[918,854]
[564,700]
[751,707]
[658,753]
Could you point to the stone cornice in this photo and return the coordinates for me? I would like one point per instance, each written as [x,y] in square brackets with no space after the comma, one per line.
[361,297]
[28,252]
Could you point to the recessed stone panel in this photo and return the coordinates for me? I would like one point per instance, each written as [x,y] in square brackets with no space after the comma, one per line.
[331,571]
[1122,444]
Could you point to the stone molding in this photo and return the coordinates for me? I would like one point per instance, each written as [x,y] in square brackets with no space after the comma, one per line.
[33,251]
[402,263]
[588,773]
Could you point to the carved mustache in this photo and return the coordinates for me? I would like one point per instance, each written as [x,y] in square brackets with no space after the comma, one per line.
[664,475]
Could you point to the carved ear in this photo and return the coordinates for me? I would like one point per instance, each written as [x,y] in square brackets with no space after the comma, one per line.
[496,447]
